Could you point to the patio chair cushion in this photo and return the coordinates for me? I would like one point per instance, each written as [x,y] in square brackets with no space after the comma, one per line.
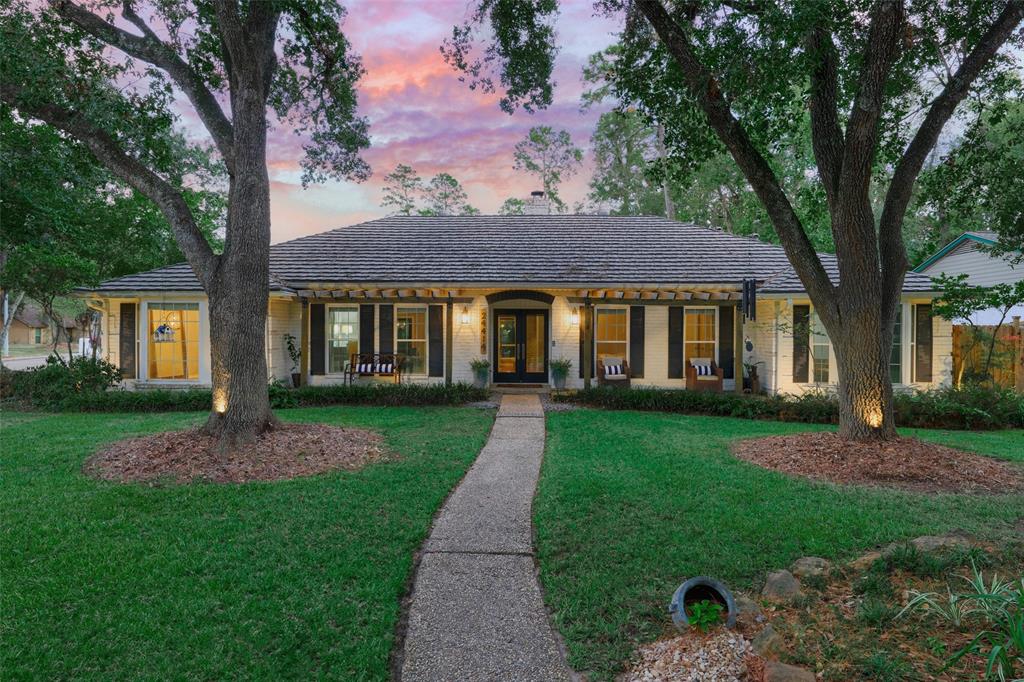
[704,367]
[613,370]
[615,377]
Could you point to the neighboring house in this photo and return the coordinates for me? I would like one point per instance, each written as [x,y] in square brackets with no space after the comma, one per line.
[968,255]
[30,326]
[519,291]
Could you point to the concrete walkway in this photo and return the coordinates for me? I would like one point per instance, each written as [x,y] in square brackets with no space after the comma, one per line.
[477,611]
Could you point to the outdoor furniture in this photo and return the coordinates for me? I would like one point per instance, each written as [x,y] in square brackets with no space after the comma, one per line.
[374,365]
[703,374]
[612,372]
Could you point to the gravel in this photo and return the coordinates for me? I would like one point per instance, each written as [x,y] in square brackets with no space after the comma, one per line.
[691,657]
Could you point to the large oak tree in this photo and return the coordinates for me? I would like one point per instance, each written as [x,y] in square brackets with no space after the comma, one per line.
[880,80]
[107,73]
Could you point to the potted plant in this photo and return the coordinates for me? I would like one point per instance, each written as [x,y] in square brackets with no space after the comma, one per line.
[559,371]
[481,371]
[295,355]
[752,382]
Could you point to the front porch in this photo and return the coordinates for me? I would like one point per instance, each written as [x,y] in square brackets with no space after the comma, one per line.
[519,332]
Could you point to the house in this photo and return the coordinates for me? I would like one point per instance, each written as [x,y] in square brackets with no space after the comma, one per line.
[519,291]
[31,327]
[968,255]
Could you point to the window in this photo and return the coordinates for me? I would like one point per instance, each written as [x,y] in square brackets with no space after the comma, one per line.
[342,337]
[174,341]
[896,356]
[610,338]
[700,337]
[819,350]
[39,335]
[411,337]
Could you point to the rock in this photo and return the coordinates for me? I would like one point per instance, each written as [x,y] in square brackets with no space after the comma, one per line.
[935,543]
[864,561]
[768,643]
[809,566]
[781,586]
[780,672]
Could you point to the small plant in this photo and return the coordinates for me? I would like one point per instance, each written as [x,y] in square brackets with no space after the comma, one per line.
[875,612]
[480,366]
[294,354]
[560,367]
[999,605]
[887,666]
[704,614]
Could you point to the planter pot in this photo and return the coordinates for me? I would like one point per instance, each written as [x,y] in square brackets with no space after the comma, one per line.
[697,589]
[558,381]
[480,381]
[296,379]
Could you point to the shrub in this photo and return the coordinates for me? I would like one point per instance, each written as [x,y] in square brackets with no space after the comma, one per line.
[53,383]
[22,388]
[966,407]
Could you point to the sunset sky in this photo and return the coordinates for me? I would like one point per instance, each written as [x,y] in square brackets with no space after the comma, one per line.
[421,115]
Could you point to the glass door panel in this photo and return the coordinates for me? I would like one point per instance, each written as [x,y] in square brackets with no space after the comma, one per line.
[507,344]
[535,343]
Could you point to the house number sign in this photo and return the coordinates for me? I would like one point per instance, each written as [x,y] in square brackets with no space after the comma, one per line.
[483,332]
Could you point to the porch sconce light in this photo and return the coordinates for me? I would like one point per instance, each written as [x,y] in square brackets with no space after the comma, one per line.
[464,316]
[574,317]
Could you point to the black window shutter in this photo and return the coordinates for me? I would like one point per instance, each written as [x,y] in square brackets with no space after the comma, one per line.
[317,342]
[386,326]
[126,350]
[366,328]
[675,342]
[801,342]
[727,342]
[923,342]
[636,341]
[435,340]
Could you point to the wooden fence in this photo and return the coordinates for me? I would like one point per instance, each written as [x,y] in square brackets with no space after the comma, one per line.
[1007,368]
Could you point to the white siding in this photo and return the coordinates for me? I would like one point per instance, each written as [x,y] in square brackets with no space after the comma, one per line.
[981,268]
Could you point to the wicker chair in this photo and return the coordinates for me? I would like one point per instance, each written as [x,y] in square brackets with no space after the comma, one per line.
[612,372]
[706,380]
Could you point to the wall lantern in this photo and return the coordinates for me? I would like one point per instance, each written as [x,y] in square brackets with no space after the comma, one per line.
[574,317]
[464,317]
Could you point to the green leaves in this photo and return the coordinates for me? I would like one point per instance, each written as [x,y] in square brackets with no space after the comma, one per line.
[551,156]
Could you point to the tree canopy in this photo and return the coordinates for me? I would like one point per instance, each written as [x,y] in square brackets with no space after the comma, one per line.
[551,156]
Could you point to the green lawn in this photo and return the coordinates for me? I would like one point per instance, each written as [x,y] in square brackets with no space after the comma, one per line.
[288,580]
[630,504]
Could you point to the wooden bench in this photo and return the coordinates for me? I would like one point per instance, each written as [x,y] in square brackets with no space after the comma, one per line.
[374,365]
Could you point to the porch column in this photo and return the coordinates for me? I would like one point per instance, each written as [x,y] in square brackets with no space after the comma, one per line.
[738,349]
[448,335]
[304,344]
[588,342]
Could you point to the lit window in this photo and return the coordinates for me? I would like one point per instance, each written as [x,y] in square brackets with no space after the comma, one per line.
[411,338]
[819,349]
[610,334]
[896,356]
[700,334]
[342,337]
[174,341]
[39,335]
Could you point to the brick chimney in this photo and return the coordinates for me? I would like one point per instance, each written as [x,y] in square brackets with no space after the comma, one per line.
[537,204]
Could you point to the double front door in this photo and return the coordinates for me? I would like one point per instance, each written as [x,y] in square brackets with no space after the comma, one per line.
[521,346]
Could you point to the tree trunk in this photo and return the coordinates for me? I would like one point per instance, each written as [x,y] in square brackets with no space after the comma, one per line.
[239,292]
[863,346]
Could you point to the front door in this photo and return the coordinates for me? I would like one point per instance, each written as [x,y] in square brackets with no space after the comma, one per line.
[521,346]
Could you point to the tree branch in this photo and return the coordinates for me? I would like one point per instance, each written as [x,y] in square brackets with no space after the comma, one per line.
[890,237]
[862,129]
[826,135]
[704,88]
[149,48]
[106,149]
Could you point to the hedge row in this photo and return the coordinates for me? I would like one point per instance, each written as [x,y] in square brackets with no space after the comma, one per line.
[86,386]
[967,407]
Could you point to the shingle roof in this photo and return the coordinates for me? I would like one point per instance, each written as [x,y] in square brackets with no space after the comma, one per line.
[787,281]
[558,250]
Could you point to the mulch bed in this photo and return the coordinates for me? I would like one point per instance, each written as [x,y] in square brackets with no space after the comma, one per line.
[287,451]
[907,463]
